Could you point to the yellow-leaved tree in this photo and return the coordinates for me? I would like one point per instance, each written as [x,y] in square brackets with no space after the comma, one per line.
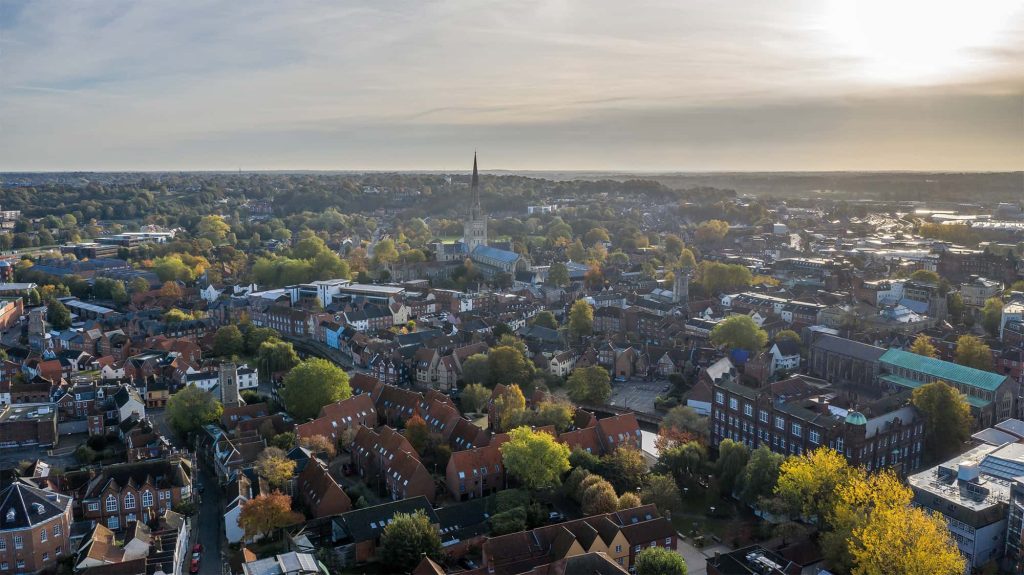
[807,483]
[905,540]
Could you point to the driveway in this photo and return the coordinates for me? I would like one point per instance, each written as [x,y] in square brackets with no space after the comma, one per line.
[697,559]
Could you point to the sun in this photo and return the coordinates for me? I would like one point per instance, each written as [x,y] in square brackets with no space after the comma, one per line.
[918,41]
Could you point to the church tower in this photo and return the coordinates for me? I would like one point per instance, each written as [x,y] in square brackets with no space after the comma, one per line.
[474,229]
[681,287]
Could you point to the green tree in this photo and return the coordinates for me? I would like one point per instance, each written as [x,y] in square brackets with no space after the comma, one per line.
[57,315]
[509,408]
[947,417]
[274,465]
[625,467]
[255,336]
[599,498]
[535,458]
[558,275]
[191,408]
[739,332]
[759,476]
[508,365]
[384,253]
[557,413]
[660,561]
[629,501]
[474,397]
[787,334]
[590,385]
[476,369]
[923,346]
[673,245]
[926,276]
[581,319]
[213,228]
[992,315]
[973,352]
[313,384]
[711,231]
[275,355]
[662,491]
[955,306]
[228,341]
[732,459]
[545,319]
[718,278]
[684,462]
[407,538]
[807,483]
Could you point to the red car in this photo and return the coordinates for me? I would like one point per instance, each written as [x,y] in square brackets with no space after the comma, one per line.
[194,568]
[197,548]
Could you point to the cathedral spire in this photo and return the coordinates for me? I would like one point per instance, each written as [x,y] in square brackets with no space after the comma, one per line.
[475,185]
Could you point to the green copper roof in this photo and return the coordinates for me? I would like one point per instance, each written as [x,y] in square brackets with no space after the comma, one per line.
[856,418]
[914,384]
[944,370]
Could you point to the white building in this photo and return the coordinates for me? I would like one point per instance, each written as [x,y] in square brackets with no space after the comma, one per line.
[1012,311]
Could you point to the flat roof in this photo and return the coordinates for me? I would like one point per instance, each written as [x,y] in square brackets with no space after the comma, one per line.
[29,411]
[373,289]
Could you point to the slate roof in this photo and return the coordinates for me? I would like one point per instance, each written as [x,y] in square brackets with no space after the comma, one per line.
[22,506]
[849,347]
[944,370]
[366,524]
[496,254]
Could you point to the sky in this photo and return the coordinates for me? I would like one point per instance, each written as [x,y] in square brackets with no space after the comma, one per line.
[700,85]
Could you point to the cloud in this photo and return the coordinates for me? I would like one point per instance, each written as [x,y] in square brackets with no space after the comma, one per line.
[546,84]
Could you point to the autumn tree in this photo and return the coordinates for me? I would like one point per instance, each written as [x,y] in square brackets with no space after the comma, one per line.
[228,341]
[590,385]
[171,290]
[545,319]
[508,365]
[191,408]
[320,444]
[682,423]
[973,352]
[535,458]
[274,464]
[313,384]
[556,413]
[906,540]
[787,334]
[508,408]
[923,346]
[711,231]
[660,561]
[474,397]
[629,501]
[807,483]
[947,417]
[992,315]
[266,513]
[417,432]
[599,498]
[739,332]
[213,228]
[581,319]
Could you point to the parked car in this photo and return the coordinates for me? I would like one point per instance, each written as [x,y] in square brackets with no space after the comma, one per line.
[621,379]
[555,517]
[468,563]
[197,548]
[194,567]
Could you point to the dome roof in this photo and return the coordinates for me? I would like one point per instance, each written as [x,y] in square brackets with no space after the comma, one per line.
[856,418]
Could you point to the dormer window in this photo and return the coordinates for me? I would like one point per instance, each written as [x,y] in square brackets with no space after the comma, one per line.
[10,515]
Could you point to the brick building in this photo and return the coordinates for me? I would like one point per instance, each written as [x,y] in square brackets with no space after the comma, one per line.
[35,529]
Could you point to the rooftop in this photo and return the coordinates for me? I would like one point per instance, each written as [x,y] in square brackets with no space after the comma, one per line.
[944,370]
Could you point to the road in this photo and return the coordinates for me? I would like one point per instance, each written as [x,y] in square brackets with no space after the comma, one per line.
[207,524]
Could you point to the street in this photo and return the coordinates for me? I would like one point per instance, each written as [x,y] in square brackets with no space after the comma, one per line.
[206,528]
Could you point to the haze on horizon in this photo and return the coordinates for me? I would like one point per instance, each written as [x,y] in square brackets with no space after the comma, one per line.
[534,85]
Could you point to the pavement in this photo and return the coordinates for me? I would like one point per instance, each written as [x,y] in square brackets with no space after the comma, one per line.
[638,395]
[697,559]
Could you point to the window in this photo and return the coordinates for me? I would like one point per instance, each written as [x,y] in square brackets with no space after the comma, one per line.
[20,563]
[3,544]
[814,436]
[780,423]
[42,535]
[748,409]
[719,397]
[668,541]
[636,549]
[734,404]
[129,501]
[4,566]
[94,507]
[147,498]
[18,543]
[113,522]
[111,503]
[46,557]
[618,549]
[763,416]
[57,532]
[797,430]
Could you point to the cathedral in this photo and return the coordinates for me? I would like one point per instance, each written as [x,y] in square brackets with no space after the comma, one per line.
[474,229]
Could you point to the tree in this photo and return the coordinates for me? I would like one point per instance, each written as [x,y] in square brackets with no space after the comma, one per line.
[590,385]
[923,346]
[274,465]
[474,397]
[228,341]
[584,459]
[599,498]
[558,275]
[732,459]
[625,467]
[717,277]
[417,432]
[662,491]
[581,319]
[906,540]
[973,352]
[992,315]
[58,315]
[711,231]
[545,319]
[407,538]
[508,407]
[685,462]
[508,365]
[947,417]
[255,336]
[674,245]
[266,513]
[787,334]
[213,228]
[760,475]
[739,332]
[556,413]
[384,253]
[535,458]
[476,369]
[275,355]
[175,315]
[320,444]
[284,441]
[660,561]
[683,418]
[191,408]
[926,276]
[138,285]
[509,521]
[171,290]
[313,384]
[955,306]
[807,483]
